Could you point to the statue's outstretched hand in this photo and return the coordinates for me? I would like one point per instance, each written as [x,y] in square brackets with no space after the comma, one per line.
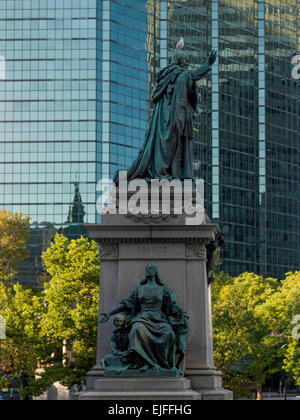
[106,316]
[212,56]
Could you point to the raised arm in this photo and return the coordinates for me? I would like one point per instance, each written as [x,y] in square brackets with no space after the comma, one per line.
[203,70]
[107,315]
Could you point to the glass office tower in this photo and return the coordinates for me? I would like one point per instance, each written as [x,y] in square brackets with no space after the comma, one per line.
[247,136]
[48,114]
[74,83]
[75,79]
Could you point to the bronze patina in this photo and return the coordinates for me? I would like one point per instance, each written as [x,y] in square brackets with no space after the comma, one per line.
[167,149]
[151,336]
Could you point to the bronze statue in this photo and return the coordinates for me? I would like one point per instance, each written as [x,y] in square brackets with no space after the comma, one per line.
[157,328]
[119,344]
[167,149]
[213,250]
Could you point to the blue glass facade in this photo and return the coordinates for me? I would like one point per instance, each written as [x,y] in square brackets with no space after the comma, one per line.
[74,108]
[247,143]
[126,43]
[47,106]
[73,104]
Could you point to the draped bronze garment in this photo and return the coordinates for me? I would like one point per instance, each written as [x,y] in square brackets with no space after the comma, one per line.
[167,149]
[151,335]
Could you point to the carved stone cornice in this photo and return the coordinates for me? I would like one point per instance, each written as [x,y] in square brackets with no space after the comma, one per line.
[153,233]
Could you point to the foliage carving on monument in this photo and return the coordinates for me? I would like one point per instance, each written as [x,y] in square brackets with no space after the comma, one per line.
[197,250]
[109,250]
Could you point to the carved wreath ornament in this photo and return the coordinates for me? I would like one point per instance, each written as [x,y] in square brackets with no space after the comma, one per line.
[109,250]
[193,250]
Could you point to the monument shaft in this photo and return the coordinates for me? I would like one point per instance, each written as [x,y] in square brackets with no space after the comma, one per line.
[180,253]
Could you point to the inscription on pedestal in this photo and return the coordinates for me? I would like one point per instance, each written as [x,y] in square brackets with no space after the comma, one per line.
[146,251]
[155,250]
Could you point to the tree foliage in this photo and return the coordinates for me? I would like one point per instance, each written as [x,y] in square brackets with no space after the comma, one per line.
[283,312]
[69,324]
[14,232]
[19,308]
[253,328]
[55,329]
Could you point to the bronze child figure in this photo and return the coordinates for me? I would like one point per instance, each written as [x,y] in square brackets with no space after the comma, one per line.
[119,344]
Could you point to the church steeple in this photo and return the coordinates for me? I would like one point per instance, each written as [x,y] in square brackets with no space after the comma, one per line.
[76,209]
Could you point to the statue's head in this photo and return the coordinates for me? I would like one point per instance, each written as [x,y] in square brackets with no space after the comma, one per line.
[120,321]
[152,270]
[180,58]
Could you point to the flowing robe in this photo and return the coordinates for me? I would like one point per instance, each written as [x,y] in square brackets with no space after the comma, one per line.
[151,335]
[167,149]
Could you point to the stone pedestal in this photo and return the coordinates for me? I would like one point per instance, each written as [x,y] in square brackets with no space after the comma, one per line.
[141,389]
[127,245]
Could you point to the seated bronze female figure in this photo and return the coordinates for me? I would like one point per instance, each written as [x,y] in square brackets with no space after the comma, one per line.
[157,326]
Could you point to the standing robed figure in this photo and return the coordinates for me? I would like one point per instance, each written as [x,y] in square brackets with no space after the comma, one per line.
[167,149]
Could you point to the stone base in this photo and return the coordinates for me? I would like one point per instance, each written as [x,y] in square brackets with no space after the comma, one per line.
[204,378]
[141,389]
[129,373]
[112,388]
[209,383]
[216,394]
[127,245]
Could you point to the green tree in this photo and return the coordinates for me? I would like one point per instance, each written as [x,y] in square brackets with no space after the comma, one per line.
[21,310]
[292,357]
[68,327]
[247,348]
[282,313]
[14,232]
